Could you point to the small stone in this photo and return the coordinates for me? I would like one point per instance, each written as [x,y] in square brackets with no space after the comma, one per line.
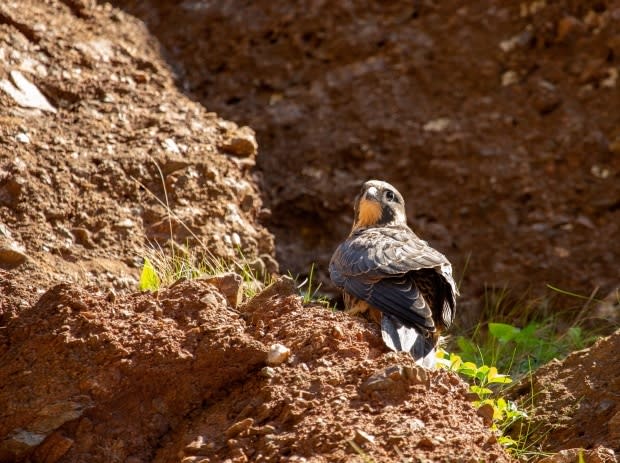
[125,223]
[278,354]
[194,447]
[519,40]
[239,427]
[362,437]
[395,373]
[416,424]
[437,125]
[377,382]
[268,372]
[173,165]
[416,375]
[11,254]
[561,252]
[568,27]
[509,78]
[170,145]
[338,332]
[82,236]
[426,443]
[141,77]
[229,284]
[599,171]
[486,412]
[22,137]
[25,439]
[263,430]
[25,93]
[612,78]
[242,143]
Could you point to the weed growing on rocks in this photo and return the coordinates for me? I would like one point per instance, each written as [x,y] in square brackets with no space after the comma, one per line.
[497,412]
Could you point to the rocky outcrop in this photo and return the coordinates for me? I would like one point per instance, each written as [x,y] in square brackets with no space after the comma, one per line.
[100,152]
[183,375]
[493,120]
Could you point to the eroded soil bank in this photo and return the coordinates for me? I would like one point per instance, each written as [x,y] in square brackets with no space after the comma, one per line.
[80,189]
[183,373]
[511,158]
[497,121]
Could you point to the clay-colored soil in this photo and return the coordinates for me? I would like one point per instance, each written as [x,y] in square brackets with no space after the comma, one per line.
[146,378]
[576,400]
[497,121]
[73,199]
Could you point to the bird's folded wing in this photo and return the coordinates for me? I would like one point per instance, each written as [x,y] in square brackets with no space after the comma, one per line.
[396,296]
[379,252]
[376,264]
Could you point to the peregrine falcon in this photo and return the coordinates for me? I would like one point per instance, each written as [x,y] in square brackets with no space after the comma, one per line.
[394,277]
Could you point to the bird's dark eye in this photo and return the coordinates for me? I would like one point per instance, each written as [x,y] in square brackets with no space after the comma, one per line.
[390,196]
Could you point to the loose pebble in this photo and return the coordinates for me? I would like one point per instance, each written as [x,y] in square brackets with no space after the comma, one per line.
[278,354]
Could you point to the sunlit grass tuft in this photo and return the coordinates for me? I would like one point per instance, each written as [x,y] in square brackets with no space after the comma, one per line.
[310,290]
[162,268]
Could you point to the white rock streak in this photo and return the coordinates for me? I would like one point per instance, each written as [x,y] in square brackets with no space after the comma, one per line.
[25,93]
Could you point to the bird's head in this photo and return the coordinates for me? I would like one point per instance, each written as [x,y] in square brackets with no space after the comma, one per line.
[378,204]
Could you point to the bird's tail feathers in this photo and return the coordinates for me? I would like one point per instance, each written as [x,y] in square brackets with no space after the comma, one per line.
[401,338]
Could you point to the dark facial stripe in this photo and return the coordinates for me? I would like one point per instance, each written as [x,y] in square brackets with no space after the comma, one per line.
[387,214]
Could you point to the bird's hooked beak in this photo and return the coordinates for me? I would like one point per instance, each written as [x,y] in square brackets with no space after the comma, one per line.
[372,194]
[368,208]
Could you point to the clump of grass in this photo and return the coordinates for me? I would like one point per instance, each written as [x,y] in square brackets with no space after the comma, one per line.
[524,334]
[162,269]
[310,290]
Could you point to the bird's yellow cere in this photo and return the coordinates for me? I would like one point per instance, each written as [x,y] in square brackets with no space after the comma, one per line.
[369,213]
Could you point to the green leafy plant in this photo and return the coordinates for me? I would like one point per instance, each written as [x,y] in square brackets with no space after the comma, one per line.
[518,350]
[149,280]
[482,380]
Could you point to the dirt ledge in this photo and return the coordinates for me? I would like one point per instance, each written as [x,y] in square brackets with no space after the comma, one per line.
[162,377]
